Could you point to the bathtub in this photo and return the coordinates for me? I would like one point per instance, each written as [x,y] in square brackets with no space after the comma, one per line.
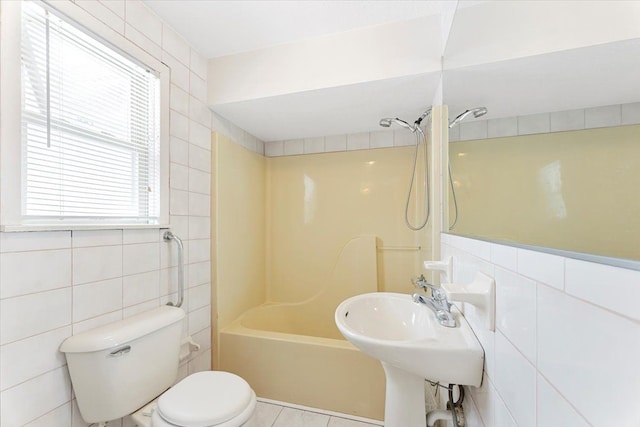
[290,353]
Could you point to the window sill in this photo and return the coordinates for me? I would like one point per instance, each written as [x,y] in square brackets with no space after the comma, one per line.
[73,227]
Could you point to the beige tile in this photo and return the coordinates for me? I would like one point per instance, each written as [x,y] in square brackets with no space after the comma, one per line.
[343,422]
[264,416]
[296,418]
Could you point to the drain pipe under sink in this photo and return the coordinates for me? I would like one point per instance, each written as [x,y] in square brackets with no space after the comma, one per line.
[436,415]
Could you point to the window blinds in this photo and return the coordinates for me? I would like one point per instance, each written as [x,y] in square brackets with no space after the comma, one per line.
[90,127]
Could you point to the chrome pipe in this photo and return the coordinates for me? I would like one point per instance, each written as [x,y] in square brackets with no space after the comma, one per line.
[168,236]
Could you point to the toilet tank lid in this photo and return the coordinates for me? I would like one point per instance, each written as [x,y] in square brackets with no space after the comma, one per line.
[122,331]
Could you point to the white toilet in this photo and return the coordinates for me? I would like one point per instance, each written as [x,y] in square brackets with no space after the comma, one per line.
[121,368]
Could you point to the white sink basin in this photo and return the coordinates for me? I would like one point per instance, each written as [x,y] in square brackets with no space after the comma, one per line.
[412,346]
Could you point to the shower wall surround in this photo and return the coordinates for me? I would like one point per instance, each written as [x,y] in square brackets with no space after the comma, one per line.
[567,342]
[552,190]
[55,284]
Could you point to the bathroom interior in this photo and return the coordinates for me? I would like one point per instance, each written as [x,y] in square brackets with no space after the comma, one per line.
[305,161]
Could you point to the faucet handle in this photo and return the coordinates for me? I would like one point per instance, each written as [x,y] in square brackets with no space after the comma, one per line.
[421,282]
[437,293]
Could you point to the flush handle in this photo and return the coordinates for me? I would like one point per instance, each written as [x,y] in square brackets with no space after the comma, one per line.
[119,352]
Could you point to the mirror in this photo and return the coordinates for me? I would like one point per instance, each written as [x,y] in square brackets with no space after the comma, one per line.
[555,163]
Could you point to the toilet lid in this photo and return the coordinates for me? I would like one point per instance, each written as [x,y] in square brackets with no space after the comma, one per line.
[205,399]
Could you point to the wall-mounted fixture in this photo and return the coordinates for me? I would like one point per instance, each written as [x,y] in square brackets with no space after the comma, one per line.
[481,293]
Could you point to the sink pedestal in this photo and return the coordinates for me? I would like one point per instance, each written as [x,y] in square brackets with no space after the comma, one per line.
[404,400]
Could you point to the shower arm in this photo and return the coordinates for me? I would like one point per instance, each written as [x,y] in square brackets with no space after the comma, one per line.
[168,236]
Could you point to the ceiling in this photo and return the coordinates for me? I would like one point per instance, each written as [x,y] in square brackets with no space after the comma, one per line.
[332,111]
[537,74]
[226,27]
[605,74]
[224,30]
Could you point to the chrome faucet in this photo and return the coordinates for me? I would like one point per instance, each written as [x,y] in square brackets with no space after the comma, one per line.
[437,302]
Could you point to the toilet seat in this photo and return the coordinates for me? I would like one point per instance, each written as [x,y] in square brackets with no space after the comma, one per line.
[206,399]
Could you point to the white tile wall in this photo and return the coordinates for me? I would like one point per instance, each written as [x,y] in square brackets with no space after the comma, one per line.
[507,126]
[53,284]
[567,339]
[473,130]
[403,138]
[358,141]
[293,147]
[516,311]
[558,121]
[382,139]
[97,298]
[567,120]
[36,396]
[534,123]
[631,114]
[515,381]
[233,132]
[61,416]
[333,143]
[553,409]
[610,115]
[313,145]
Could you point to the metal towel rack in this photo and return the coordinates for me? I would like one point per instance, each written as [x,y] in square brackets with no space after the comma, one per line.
[168,236]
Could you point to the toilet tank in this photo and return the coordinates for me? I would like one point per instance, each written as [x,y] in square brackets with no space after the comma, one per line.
[117,368]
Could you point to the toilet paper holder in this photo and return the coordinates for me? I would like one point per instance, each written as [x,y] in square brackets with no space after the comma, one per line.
[187,347]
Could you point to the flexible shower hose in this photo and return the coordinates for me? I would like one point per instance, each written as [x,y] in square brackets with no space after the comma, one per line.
[426,183]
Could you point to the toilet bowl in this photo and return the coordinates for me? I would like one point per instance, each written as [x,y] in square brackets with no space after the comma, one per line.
[203,399]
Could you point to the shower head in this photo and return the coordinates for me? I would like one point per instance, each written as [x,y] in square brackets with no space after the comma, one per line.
[477,112]
[388,121]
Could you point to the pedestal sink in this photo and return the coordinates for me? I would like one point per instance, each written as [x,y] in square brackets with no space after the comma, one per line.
[407,339]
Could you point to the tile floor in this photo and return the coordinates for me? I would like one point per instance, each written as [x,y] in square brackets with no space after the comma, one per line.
[271,415]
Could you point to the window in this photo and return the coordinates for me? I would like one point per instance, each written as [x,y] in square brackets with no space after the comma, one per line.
[90,128]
